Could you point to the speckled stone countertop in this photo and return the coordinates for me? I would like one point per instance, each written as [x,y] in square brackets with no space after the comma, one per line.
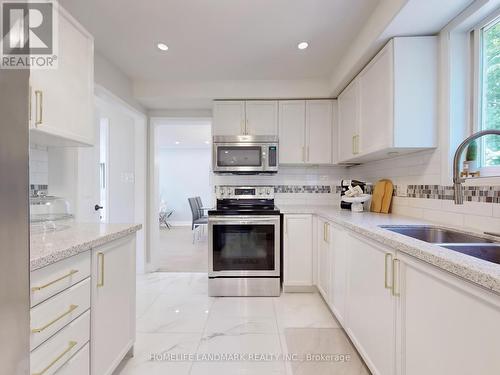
[481,272]
[51,247]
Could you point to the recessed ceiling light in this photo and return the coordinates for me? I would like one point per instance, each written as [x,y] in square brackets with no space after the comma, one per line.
[177,142]
[207,142]
[162,46]
[302,45]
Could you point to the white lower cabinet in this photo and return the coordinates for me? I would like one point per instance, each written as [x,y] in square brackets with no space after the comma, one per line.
[79,364]
[297,251]
[324,261]
[338,267]
[113,304]
[371,306]
[445,325]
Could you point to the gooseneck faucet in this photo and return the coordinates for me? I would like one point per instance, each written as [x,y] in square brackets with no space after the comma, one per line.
[457,179]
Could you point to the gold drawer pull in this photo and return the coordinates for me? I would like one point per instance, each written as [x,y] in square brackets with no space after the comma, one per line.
[70,310]
[100,281]
[71,273]
[71,345]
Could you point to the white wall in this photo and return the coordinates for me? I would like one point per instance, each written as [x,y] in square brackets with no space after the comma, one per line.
[184,173]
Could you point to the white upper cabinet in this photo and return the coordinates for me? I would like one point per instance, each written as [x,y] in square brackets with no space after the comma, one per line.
[229,118]
[391,106]
[251,117]
[305,131]
[292,128]
[319,127]
[348,121]
[62,99]
[261,117]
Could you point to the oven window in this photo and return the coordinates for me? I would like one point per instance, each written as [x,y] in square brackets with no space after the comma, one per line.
[243,247]
[239,156]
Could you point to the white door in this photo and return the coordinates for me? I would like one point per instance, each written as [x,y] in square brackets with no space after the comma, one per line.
[113,304]
[348,113]
[448,321]
[297,252]
[371,306]
[261,117]
[292,115]
[324,264]
[229,117]
[319,126]
[376,117]
[338,266]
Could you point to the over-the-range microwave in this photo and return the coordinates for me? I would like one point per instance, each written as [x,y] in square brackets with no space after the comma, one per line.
[245,154]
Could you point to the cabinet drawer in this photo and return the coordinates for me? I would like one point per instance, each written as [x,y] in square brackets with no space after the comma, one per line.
[79,364]
[50,316]
[56,351]
[53,279]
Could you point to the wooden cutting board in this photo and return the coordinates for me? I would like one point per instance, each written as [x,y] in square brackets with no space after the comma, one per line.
[378,196]
[387,199]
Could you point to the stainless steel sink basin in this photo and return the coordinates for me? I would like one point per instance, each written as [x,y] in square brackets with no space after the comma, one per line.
[435,235]
[488,252]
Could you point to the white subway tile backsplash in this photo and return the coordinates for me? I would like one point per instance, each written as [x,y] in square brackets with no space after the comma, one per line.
[39,165]
[443,217]
[482,223]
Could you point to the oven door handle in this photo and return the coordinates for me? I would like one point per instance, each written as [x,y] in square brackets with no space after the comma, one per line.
[244,220]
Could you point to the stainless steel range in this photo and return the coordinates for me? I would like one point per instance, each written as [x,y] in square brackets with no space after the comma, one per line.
[244,242]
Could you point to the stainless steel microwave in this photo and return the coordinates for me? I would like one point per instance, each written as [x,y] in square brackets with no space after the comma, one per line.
[245,154]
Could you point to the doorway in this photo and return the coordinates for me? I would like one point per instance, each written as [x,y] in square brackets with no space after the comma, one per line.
[182,154]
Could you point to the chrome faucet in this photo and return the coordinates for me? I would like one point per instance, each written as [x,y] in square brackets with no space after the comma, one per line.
[457,179]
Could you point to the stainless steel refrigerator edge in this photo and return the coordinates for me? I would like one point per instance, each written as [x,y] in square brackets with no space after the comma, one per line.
[14,222]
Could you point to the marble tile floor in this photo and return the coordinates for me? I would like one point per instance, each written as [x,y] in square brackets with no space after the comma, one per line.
[177,253]
[180,331]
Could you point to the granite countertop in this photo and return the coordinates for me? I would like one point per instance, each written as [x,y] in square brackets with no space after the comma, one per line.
[51,247]
[478,271]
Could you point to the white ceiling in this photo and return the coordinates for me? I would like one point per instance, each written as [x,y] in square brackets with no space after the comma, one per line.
[222,39]
[188,134]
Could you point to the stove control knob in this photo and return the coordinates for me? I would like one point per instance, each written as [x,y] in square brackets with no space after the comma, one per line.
[222,191]
[268,191]
[229,192]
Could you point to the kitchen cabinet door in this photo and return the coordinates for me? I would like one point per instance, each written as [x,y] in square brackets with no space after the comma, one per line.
[113,304]
[338,267]
[292,147]
[261,117]
[348,118]
[446,325]
[62,99]
[229,117]
[324,255]
[319,127]
[297,252]
[370,318]
[376,120]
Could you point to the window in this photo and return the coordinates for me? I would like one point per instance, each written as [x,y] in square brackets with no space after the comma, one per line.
[487,47]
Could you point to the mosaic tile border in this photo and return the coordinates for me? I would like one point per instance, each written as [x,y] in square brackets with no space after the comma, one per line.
[312,189]
[484,194]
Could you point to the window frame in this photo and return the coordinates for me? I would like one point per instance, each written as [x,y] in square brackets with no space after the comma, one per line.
[476,37]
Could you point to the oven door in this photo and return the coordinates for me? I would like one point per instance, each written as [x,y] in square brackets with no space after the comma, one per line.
[242,246]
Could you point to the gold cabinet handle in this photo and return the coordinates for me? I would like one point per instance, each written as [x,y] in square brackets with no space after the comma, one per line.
[100,281]
[71,345]
[355,144]
[395,290]
[324,231]
[39,107]
[388,256]
[41,329]
[71,273]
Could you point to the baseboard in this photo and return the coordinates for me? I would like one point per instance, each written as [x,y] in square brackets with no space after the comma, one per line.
[299,288]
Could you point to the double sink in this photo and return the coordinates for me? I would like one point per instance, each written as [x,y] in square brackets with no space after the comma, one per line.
[478,247]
